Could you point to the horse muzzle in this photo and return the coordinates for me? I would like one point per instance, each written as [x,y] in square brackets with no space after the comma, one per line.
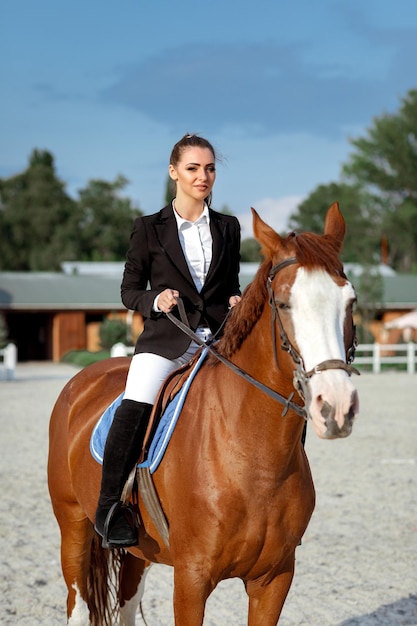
[333,416]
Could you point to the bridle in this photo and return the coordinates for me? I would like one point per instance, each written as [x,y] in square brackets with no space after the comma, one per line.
[301,377]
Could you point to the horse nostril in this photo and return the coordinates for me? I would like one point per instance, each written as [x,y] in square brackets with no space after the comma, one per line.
[354,406]
[326,410]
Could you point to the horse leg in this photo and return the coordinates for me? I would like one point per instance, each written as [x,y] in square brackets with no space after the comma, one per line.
[131,588]
[192,587]
[88,569]
[266,598]
[76,541]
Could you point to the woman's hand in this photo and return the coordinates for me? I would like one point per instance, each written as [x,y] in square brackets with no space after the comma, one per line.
[234,300]
[167,300]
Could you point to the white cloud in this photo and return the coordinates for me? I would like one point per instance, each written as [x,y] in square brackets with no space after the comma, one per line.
[265,87]
[274,211]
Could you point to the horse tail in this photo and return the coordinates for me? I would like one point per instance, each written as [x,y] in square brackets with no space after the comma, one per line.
[103,583]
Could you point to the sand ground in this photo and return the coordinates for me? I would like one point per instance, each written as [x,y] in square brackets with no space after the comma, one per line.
[357,565]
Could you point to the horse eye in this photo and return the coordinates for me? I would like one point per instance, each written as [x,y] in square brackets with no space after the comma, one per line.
[282,306]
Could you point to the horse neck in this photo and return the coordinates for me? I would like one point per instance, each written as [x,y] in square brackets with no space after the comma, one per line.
[263,418]
[258,357]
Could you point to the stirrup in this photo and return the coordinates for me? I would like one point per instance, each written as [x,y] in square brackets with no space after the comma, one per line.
[107,543]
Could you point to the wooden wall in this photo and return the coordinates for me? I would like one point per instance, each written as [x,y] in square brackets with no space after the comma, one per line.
[68,333]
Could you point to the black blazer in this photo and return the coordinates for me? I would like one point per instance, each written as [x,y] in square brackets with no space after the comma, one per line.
[155,261]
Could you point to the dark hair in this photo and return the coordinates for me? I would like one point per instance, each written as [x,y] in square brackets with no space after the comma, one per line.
[189,141]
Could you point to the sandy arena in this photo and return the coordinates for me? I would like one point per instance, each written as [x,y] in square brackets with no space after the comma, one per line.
[357,565]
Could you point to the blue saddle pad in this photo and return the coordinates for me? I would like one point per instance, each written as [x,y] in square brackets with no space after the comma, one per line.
[163,432]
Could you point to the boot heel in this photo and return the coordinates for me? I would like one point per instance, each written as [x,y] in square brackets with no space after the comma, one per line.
[120,528]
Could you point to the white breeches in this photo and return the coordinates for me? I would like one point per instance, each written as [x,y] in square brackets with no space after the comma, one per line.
[148,371]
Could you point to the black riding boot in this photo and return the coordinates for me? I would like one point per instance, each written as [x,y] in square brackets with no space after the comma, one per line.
[114,522]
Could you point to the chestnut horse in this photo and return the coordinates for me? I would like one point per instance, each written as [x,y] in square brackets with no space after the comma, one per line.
[235,483]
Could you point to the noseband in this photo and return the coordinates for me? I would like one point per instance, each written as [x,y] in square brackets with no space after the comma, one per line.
[301,376]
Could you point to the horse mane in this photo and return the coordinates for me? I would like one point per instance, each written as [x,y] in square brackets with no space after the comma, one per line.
[242,318]
[311,250]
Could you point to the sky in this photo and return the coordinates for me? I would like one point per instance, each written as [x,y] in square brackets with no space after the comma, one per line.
[279,87]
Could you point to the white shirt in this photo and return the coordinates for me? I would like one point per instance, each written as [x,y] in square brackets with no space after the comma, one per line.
[196,242]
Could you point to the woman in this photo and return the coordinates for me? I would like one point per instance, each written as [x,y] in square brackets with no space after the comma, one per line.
[186,250]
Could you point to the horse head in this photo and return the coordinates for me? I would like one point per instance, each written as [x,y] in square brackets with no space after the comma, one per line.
[311,307]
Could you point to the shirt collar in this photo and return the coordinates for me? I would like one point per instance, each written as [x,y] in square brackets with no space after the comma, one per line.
[204,217]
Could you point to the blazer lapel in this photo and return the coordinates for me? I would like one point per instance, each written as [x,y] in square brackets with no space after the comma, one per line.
[167,233]
[218,234]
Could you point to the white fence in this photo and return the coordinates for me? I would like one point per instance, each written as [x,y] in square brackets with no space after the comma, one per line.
[374,354]
[378,354]
[9,358]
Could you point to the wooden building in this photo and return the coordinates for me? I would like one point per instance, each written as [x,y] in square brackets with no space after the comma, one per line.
[50,313]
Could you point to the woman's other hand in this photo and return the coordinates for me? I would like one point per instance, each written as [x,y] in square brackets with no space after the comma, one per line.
[234,300]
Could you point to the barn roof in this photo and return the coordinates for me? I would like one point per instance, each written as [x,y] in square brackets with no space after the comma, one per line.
[77,289]
[54,290]
[400,291]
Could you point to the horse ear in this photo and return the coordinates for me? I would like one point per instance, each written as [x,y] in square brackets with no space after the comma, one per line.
[334,225]
[265,235]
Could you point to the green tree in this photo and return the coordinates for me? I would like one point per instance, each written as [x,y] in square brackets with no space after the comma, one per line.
[41,226]
[37,218]
[369,288]
[363,229]
[169,190]
[105,220]
[250,251]
[385,163]
[225,210]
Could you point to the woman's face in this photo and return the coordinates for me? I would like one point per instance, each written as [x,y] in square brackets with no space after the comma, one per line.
[195,173]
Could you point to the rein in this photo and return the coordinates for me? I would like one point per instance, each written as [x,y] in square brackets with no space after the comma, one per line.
[287,402]
[301,377]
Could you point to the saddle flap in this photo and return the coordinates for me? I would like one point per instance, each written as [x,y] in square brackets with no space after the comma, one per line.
[169,389]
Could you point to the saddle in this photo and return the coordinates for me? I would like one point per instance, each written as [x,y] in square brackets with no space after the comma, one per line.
[169,389]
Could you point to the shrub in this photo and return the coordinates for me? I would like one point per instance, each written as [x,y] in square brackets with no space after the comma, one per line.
[83,358]
[112,331]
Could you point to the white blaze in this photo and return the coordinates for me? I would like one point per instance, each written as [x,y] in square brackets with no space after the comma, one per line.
[318,308]
[318,311]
